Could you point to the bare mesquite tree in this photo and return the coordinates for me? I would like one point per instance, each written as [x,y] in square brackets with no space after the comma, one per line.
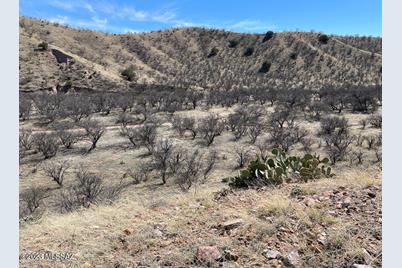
[190,170]
[94,131]
[25,139]
[183,124]
[161,154]
[33,198]
[211,127]
[209,164]
[375,121]
[140,173]
[124,119]
[67,135]
[243,118]
[77,107]
[25,108]
[49,105]
[46,143]
[243,155]
[336,134]
[56,170]
[144,135]
[88,187]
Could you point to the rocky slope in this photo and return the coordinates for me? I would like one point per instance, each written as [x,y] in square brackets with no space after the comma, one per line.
[193,57]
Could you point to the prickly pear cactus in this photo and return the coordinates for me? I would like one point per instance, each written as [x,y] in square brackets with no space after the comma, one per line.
[274,170]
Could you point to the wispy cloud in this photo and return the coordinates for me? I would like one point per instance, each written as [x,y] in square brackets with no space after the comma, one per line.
[89,7]
[67,6]
[93,23]
[251,26]
[124,12]
[113,17]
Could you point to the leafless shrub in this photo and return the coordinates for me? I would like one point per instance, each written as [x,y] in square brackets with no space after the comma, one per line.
[33,198]
[378,154]
[209,164]
[254,131]
[375,121]
[25,139]
[77,107]
[358,156]
[284,138]
[242,119]
[338,145]
[48,105]
[132,134]
[88,188]
[104,102]
[94,131]
[56,170]
[67,201]
[363,123]
[140,173]
[263,150]
[183,124]
[210,127]
[378,142]
[317,109]
[282,118]
[359,140]
[176,159]
[46,143]
[371,141]
[161,153]
[329,124]
[124,119]
[243,156]
[25,108]
[111,193]
[143,110]
[67,136]
[307,143]
[188,175]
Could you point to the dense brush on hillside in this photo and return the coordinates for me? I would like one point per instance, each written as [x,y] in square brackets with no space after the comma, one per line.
[207,58]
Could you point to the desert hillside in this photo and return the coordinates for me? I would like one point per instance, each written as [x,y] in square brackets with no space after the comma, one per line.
[199,148]
[198,57]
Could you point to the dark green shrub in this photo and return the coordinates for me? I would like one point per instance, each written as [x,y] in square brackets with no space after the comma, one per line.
[43,46]
[323,38]
[293,55]
[249,51]
[265,67]
[268,36]
[233,43]
[129,74]
[214,52]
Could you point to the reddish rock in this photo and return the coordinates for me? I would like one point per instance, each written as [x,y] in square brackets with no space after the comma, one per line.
[208,253]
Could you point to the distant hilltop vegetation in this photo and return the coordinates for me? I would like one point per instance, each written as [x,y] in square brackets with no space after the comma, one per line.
[55,56]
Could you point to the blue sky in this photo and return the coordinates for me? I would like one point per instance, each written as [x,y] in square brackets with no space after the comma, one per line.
[349,17]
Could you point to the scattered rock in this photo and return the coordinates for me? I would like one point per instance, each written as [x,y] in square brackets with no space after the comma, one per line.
[208,253]
[371,194]
[158,233]
[367,257]
[293,258]
[361,266]
[127,232]
[272,254]
[346,202]
[231,224]
[230,256]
